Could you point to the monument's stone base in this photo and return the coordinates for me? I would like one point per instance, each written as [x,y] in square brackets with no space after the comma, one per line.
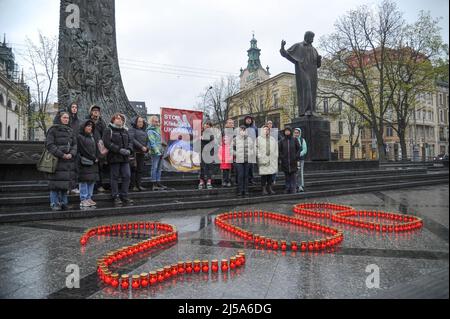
[316,131]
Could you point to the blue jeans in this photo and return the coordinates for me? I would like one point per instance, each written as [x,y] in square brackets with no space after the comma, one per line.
[58,198]
[156,168]
[86,191]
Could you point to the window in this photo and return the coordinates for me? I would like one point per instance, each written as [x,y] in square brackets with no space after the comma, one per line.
[9,104]
[8,134]
[389,131]
[430,115]
[2,101]
[325,106]
[340,106]
[261,102]
[341,127]
[275,100]
[441,99]
[16,135]
[341,152]
[441,116]
[1,129]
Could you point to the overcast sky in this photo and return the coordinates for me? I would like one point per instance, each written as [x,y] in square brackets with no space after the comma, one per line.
[198,40]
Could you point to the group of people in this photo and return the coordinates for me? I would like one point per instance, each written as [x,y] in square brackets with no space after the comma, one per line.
[246,150]
[86,149]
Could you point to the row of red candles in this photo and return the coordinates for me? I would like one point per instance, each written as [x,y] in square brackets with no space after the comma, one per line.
[344,215]
[162,274]
[125,227]
[274,244]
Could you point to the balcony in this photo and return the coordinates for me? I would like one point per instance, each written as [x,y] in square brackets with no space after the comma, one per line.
[335,136]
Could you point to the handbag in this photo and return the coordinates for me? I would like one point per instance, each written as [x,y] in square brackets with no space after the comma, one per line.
[47,163]
[86,161]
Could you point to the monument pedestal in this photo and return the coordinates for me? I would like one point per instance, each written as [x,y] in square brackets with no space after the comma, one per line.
[316,132]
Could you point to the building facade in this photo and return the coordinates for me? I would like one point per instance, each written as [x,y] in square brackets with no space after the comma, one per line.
[14,97]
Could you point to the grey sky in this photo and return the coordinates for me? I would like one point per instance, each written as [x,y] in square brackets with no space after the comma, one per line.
[199,37]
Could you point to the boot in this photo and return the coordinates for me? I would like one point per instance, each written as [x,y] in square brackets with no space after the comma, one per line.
[161,186]
[201,184]
[271,191]
[264,191]
[209,184]
[155,187]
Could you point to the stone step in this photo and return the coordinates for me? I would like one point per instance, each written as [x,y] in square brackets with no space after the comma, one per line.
[18,201]
[32,186]
[225,203]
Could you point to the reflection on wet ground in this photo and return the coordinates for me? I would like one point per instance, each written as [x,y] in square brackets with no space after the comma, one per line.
[34,255]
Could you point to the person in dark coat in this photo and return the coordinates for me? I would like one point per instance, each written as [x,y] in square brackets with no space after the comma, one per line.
[62,143]
[249,123]
[289,155]
[120,147]
[99,129]
[87,163]
[139,138]
[74,123]
[206,164]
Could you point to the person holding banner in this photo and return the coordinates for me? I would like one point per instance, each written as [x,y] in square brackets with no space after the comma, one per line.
[156,151]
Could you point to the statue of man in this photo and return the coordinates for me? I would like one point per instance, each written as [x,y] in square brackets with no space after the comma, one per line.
[307,61]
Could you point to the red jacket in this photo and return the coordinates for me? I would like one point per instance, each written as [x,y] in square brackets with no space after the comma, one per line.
[226,160]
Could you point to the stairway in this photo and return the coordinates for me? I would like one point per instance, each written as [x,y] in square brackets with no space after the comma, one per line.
[28,201]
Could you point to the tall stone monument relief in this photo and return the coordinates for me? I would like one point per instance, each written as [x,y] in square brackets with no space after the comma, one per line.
[316,130]
[88,68]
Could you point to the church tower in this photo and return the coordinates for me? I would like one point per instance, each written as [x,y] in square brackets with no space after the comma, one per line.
[254,73]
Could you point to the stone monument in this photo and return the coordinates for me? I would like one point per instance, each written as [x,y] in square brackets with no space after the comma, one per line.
[88,68]
[316,130]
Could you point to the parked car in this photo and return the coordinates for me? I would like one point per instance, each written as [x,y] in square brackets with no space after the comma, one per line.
[441,157]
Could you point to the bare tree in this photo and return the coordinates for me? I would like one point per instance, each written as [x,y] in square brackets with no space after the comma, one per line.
[411,70]
[356,62]
[43,61]
[214,102]
[258,102]
[355,124]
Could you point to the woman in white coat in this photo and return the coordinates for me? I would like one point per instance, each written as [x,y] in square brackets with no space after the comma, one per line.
[267,153]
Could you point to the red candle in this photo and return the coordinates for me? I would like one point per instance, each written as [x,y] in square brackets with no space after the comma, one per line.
[224,266]
[125,282]
[136,282]
[167,272]
[160,273]
[153,278]
[144,280]
[174,270]
[181,269]
[294,246]
[205,266]
[238,261]
[232,262]
[197,267]
[275,245]
[214,265]
[188,267]
[115,280]
[242,257]
[283,245]
[303,246]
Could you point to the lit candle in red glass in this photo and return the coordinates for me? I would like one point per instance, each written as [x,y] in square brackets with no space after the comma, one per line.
[153,278]
[283,245]
[181,269]
[135,282]
[275,245]
[214,265]
[242,257]
[205,266]
[107,277]
[294,246]
[174,270]
[125,282]
[232,262]
[144,280]
[311,246]
[160,274]
[238,261]
[197,266]
[188,267]
[224,265]
[167,272]
[115,280]
[303,246]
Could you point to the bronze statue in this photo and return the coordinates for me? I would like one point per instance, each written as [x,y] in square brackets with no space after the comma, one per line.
[307,61]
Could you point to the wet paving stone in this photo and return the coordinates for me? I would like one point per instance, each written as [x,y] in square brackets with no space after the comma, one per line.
[34,255]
